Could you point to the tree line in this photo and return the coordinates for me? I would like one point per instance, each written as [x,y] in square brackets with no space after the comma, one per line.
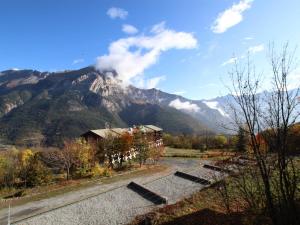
[77,159]
[201,142]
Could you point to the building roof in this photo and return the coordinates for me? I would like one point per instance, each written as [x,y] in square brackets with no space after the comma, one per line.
[146,129]
[155,128]
[104,132]
[119,131]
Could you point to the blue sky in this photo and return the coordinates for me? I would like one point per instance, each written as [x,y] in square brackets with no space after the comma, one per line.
[178,46]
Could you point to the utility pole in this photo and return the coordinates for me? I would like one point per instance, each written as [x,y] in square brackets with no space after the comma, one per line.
[206,140]
[8,219]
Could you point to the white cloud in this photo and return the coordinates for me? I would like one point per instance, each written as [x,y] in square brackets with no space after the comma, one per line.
[141,82]
[157,28]
[129,57]
[255,49]
[76,61]
[187,106]
[153,82]
[231,16]
[129,29]
[230,61]
[117,13]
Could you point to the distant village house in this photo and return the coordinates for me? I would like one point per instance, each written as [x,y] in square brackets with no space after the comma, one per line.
[153,134]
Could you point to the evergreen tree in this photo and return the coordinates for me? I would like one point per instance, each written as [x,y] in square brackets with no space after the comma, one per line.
[241,144]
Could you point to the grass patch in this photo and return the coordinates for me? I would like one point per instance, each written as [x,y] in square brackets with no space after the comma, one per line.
[178,152]
[214,154]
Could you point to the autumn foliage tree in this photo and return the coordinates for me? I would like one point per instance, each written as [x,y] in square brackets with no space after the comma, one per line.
[107,149]
[141,146]
[23,168]
[9,171]
[125,146]
[76,158]
[155,152]
[294,139]
[34,172]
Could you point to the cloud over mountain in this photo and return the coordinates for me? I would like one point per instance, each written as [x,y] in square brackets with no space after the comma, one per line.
[131,56]
[180,105]
[153,82]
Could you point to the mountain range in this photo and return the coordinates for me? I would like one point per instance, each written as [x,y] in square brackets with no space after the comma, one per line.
[48,107]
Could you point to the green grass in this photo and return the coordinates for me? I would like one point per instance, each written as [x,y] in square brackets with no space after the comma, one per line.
[178,152]
[215,154]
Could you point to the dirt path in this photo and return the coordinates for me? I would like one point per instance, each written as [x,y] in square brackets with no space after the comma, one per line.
[40,206]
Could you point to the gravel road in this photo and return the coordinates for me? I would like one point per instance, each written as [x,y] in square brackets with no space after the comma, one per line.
[112,203]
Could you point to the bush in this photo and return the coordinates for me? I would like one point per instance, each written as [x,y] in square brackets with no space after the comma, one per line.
[107,172]
[35,173]
[97,171]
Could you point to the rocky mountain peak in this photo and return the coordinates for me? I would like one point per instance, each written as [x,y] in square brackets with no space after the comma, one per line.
[64,104]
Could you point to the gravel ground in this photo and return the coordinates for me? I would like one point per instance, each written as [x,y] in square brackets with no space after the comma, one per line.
[114,207]
[175,188]
[120,205]
[43,205]
[207,174]
[39,206]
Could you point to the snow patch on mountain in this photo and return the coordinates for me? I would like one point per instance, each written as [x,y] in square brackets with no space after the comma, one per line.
[215,105]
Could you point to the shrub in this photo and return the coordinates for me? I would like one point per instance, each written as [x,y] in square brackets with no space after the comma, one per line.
[97,171]
[35,172]
[107,172]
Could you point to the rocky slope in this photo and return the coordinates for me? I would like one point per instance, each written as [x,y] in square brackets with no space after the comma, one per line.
[41,107]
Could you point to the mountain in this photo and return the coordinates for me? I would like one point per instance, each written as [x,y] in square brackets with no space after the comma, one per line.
[45,108]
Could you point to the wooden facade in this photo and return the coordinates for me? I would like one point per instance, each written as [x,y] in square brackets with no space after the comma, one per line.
[153,133]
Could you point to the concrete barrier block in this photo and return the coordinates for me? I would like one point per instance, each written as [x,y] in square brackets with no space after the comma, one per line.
[216,168]
[147,193]
[192,178]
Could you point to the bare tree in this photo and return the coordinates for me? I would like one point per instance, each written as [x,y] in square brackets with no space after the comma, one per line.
[222,190]
[268,119]
[77,157]
[281,115]
[63,159]
[60,159]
